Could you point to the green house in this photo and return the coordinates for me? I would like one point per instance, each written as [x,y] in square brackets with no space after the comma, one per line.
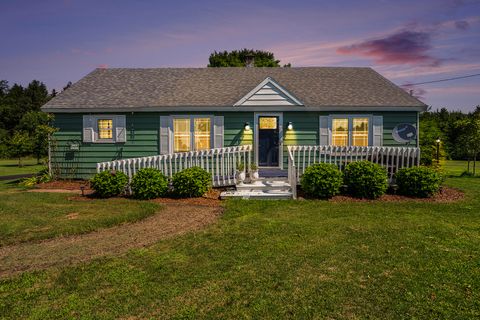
[115,114]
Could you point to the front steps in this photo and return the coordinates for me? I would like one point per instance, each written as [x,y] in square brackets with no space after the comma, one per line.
[264,189]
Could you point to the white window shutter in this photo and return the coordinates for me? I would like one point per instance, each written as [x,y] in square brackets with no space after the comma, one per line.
[120,129]
[218,131]
[324,130]
[377,136]
[164,135]
[88,128]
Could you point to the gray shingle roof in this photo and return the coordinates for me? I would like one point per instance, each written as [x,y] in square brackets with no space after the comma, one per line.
[222,87]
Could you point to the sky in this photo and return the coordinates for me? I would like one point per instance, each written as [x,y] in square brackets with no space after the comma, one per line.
[56,41]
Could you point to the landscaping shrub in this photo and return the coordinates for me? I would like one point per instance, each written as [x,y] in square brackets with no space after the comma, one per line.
[322,180]
[365,179]
[191,182]
[422,182]
[149,183]
[109,183]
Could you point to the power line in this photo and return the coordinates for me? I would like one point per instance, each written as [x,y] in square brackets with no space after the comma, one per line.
[442,80]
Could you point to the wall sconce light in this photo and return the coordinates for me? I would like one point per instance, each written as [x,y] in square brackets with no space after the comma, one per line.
[247,126]
[290,126]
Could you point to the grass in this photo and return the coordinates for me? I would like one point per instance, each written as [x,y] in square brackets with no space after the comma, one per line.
[457,167]
[27,216]
[281,259]
[10,166]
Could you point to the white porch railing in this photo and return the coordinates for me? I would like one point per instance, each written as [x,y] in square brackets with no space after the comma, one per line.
[220,162]
[391,158]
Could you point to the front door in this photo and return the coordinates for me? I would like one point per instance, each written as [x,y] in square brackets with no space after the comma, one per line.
[268,141]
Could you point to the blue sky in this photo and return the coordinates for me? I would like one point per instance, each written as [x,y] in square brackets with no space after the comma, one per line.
[57,41]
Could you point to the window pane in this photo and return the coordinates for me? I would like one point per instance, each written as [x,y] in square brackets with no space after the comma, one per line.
[181,135]
[360,132]
[202,133]
[105,128]
[267,123]
[340,132]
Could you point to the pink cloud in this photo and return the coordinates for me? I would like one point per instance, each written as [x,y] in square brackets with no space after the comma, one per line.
[403,47]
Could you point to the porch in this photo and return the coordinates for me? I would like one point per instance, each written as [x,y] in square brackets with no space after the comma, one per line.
[274,183]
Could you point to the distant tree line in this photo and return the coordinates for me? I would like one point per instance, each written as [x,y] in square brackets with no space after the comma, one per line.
[24,129]
[458,132]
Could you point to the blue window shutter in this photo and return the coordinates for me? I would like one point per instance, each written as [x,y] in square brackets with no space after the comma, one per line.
[164,135]
[88,128]
[377,136]
[324,130]
[218,131]
[120,129]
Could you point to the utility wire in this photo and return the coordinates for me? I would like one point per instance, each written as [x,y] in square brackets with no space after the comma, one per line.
[441,80]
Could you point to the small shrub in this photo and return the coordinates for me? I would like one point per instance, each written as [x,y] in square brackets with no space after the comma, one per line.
[109,183]
[365,179]
[191,182]
[422,182]
[322,180]
[41,176]
[149,183]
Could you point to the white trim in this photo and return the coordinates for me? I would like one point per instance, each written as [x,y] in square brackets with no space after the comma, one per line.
[273,108]
[268,80]
[350,126]
[280,135]
[192,129]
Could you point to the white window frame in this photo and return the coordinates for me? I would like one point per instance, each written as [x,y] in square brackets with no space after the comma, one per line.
[350,118]
[96,139]
[192,130]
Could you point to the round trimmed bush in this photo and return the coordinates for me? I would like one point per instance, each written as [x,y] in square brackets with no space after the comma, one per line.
[422,182]
[149,183]
[365,179]
[109,183]
[191,182]
[322,180]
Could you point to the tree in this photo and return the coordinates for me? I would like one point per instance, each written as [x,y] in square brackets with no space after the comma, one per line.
[36,124]
[469,139]
[429,133]
[20,145]
[239,58]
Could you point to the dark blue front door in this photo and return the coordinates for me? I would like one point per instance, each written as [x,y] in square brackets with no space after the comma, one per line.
[268,141]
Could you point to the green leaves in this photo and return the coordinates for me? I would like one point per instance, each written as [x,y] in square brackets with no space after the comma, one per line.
[322,180]
[365,179]
[191,182]
[422,182]
[149,183]
[109,183]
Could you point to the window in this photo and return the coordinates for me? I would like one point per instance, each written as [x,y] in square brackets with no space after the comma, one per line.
[105,128]
[267,122]
[202,133]
[340,132]
[350,131]
[360,132]
[192,133]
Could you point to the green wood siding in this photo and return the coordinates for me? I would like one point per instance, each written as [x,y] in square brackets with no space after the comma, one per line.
[143,136]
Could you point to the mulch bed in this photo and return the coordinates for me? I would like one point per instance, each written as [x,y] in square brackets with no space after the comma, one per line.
[446,194]
[64,185]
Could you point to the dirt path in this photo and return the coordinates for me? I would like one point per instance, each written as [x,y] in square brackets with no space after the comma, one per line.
[175,219]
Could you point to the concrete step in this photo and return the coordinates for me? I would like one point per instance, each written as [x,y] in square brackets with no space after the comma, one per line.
[264,185]
[258,194]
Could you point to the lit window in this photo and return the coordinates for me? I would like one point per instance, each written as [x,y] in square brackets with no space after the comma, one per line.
[191,134]
[267,123]
[105,128]
[202,133]
[340,132]
[181,135]
[360,132]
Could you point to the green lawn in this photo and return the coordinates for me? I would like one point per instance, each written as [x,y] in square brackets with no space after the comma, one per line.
[10,166]
[281,259]
[457,167]
[26,216]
